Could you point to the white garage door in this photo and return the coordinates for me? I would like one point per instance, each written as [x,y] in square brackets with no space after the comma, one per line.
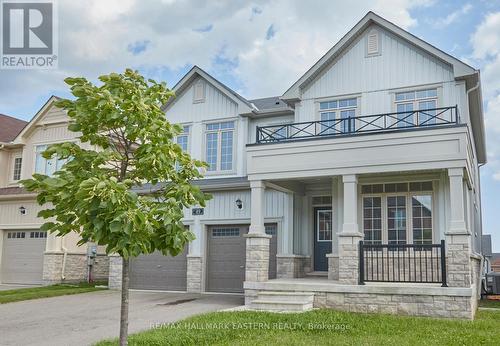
[22,256]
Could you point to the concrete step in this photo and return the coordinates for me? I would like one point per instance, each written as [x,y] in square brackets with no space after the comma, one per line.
[272,305]
[281,296]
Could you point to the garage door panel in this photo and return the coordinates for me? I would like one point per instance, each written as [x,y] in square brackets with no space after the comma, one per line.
[22,256]
[159,272]
[226,257]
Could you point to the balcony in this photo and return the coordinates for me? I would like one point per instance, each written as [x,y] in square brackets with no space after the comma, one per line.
[386,122]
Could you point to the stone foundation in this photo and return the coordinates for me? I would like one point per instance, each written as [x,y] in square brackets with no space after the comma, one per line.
[458,262]
[75,268]
[333,267]
[257,257]
[194,273]
[400,304]
[292,266]
[400,299]
[115,272]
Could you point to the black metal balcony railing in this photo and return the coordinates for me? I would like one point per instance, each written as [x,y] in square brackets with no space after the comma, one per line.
[413,263]
[362,124]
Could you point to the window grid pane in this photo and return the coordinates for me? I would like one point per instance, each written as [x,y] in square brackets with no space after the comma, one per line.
[226,151]
[212,148]
[324,225]
[17,168]
[372,219]
[422,219]
[396,219]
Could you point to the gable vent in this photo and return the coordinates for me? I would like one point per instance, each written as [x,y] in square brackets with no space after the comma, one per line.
[372,43]
[199,92]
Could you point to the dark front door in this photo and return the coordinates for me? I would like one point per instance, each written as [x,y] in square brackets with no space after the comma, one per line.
[322,237]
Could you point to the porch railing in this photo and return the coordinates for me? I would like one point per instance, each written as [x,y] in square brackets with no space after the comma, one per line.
[413,263]
[362,124]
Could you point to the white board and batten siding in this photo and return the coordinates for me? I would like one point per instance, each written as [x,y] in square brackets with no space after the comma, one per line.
[375,79]
[215,106]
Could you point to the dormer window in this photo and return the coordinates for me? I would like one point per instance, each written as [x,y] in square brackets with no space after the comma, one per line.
[373,43]
[199,92]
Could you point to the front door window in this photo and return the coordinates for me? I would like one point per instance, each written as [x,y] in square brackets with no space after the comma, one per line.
[323,238]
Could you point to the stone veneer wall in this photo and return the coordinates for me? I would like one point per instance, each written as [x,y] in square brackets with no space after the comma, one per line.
[115,272]
[458,261]
[194,273]
[75,269]
[333,267]
[292,266]
[257,257]
[401,304]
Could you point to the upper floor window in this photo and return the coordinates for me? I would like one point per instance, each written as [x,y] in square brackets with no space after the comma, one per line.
[183,138]
[344,109]
[16,174]
[199,92]
[219,146]
[46,166]
[424,101]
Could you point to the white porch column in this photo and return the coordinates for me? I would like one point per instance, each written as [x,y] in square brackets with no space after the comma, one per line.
[458,238]
[350,236]
[257,242]
[194,258]
[350,225]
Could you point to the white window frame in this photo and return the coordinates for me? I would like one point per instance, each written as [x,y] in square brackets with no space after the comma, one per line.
[415,101]
[218,171]
[35,145]
[409,211]
[337,110]
[13,169]
[317,225]
[187,134]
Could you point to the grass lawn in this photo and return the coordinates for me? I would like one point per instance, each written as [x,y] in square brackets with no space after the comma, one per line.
[19,294]
[321,327]
[489,303]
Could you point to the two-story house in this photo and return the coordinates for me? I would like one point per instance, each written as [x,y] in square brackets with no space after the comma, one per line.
[356,189]
[27,254]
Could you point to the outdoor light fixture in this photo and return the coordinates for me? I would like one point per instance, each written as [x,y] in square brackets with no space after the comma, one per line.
[239,203]
[22,210]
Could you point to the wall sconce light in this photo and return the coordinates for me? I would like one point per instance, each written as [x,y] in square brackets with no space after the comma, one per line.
[239,203]
[22,210]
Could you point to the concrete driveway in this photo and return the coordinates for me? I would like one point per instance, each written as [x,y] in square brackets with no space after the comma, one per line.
[83,319]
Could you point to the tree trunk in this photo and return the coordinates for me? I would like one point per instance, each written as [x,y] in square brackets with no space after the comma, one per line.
[124,306]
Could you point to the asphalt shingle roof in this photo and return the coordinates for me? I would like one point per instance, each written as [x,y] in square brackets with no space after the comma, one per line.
[10,127]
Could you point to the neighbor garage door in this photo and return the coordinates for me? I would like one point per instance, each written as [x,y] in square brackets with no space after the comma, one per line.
[22,256]
[226,257]
[158,272]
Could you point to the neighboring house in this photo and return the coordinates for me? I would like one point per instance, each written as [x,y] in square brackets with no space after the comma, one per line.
[28,255]
[365,170]
[495,262]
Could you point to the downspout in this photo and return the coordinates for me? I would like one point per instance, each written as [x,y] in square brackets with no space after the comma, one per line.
[65,254]
[472,89]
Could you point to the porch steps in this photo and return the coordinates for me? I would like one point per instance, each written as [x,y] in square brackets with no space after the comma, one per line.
[283,301]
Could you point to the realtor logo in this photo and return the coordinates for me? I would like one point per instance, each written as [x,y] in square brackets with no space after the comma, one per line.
[29,34]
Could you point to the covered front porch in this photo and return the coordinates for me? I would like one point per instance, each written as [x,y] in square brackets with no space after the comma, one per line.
[378,242]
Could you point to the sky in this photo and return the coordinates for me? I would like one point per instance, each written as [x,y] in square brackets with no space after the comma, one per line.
[258,48]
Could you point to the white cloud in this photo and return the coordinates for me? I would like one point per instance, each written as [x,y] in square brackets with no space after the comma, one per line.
[453,16]
[95,35]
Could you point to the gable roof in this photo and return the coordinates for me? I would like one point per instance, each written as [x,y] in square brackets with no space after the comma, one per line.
[10,127]
[243,105]
[460,68]
[37,116]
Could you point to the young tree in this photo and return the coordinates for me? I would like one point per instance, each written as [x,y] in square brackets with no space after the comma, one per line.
[126,142]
